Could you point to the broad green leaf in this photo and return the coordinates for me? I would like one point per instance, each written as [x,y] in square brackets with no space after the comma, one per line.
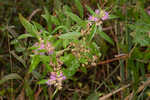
[34,63]
[23,36]
[28,26]
[59,27]
[43,81]
[10,77]
[79,7]
[72,65]
[70,35]
[36,74]
[72,68]
[15,41]
[65,43]
[105,36]
[55,20]
[90,10]
[38,26]
[45,60]
[93,31]
[75,18]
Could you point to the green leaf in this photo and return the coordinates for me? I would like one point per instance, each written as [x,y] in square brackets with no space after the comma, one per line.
[45,60]
[75,18]
[93,31]
[38,26]
[141,38]
[70,35]
[90,10]
[35,61]
[28,26]
[94,49]
[83,69]
[79,7]
[18,58]
[28,90]
[105,36]
[65,43]
[72,65]
[36,75]
[47,17]
[43,81]
[59,27]
[9,77]
[23,36]
[55,20]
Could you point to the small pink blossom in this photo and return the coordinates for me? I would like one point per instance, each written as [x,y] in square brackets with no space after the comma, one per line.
[148,11]
[105,17]
[97,11]
[56,79]
[92,18]
[43,46]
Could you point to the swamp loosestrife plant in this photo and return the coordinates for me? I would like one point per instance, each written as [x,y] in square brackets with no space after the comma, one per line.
[69,44]
[67,48]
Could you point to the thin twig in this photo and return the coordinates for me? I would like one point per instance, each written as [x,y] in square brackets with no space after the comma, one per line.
[114,59]
[36,95]
[139,89]
[33,13]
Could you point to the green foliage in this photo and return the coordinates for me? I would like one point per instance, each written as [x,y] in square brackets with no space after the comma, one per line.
[69,44]
[10,77]
[34,62]
[72,63]
[28,26]
[105,36]
[79,7]
[70,35]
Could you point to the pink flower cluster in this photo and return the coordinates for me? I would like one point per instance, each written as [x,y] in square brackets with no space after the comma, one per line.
[43,46]
[148,11]
[56,79]
[104,15]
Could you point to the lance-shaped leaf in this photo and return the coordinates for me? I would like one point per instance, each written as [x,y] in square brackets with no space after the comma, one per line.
[10,77]
[28,26]
[70,35]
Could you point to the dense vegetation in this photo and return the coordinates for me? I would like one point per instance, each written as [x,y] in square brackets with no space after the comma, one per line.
[75,50]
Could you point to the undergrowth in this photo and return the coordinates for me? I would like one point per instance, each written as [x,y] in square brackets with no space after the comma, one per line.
[75,50]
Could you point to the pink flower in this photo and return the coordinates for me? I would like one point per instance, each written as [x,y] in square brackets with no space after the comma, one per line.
[55,79]
[148,11]
[43,46]
[105,17]
[95,19]
[97,11]
[92,18]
